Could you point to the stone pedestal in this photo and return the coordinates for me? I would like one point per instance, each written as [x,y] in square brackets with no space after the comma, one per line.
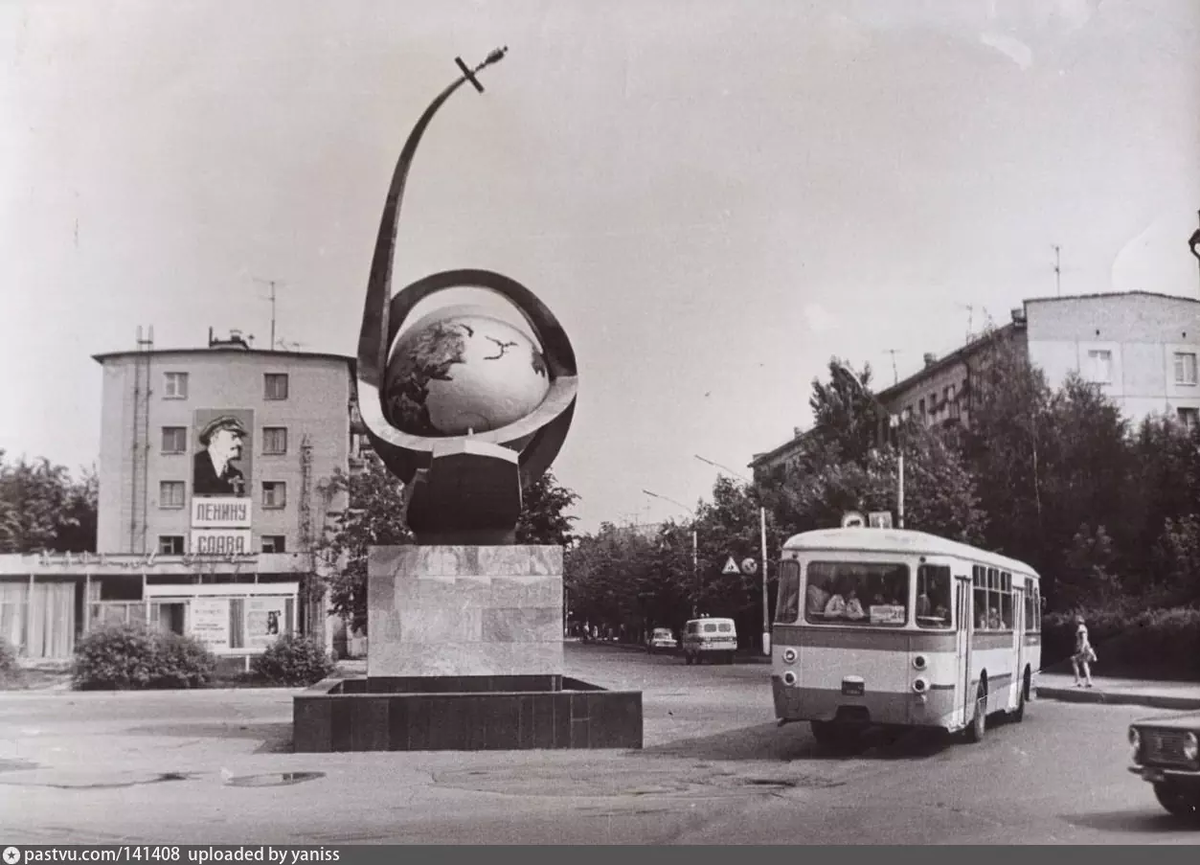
[455,611]
[465,653]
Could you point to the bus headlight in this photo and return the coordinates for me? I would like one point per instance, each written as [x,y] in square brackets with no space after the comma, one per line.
[919,662]
[1191,748]
[789,678]
[1135,744]
[921,685]
[789,655]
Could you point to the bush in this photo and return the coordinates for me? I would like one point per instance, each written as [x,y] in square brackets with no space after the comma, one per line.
[130,658]
[293,660]
[1154,643]
[9,671]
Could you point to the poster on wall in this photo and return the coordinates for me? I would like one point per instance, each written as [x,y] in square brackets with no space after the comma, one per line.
[210,622]
[221,464]
[264,621]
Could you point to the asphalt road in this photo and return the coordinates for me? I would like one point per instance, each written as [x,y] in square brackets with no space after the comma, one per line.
[170,767]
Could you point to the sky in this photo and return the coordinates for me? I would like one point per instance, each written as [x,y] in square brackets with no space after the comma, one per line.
[714,198]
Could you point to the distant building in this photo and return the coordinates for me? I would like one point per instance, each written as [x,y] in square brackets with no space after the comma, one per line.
[1140,348]
[210,474]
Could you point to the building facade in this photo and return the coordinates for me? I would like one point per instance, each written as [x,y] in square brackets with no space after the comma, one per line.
[212,493]
[1139,348]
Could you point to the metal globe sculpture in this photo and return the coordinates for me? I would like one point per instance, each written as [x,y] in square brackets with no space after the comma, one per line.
[463,407]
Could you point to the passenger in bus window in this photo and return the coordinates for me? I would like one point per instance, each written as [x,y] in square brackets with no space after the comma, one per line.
[994,620]
[923,604]
[817,599]
[854,608]
[836,608]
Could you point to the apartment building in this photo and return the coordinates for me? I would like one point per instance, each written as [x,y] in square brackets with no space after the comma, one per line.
[212,467]
[1139,348]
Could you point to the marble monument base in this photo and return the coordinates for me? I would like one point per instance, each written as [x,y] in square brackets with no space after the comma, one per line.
[465,653]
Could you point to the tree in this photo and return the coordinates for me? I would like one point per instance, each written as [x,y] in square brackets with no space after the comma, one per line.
[375,517]
[1005,446]
[543,517]
[43,508]
[845,414]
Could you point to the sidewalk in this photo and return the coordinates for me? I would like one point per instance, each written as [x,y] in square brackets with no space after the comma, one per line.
[1181,696]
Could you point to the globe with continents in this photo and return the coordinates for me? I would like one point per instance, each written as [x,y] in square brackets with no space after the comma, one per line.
[463,374]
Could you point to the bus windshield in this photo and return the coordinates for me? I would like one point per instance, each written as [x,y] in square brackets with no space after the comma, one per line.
[856,593]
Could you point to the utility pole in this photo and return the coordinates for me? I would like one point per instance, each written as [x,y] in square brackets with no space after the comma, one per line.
[271,283]
[1057,271]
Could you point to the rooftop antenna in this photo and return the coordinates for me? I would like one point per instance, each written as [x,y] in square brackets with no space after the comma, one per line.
[271,283]
[895,375]
[1057,270]
[970,318]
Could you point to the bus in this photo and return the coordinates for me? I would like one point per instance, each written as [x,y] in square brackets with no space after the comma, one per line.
[901,629]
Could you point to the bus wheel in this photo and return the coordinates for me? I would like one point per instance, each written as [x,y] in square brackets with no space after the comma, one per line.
[1178,802]
[1022,696]
[824,732]
[979,720]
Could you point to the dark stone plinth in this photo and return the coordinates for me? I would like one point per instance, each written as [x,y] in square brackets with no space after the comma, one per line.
[464,713]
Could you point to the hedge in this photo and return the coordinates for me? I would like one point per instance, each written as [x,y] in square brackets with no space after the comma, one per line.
[9,669]
[1153,643]
[292,660]
[130,658]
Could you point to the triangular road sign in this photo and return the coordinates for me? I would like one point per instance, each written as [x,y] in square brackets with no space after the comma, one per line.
[731,567]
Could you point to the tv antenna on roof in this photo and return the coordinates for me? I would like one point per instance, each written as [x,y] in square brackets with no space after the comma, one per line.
[271,283]
[893,352]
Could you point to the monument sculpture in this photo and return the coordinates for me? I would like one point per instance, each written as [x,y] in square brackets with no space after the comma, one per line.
[465,625]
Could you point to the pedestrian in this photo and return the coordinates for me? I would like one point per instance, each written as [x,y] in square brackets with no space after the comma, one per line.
[1084,655]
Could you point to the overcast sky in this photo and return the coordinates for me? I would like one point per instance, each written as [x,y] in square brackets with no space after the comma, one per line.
[713,197]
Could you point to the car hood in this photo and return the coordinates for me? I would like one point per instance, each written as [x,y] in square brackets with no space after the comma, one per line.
[1180,721]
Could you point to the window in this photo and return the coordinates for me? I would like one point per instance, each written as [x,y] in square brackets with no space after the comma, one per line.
[170,494]
[787,599]
[174,439]
[175,385]
[274,494]
[933,596]
[857,593]
[170,545]
[921,407]
[979,584]
[275,385]
[274,440]
[1100,366]
[1185,367]
[1029,606]
[274,543]
[1189,417]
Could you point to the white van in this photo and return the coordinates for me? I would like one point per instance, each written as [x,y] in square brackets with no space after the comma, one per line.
[711,638]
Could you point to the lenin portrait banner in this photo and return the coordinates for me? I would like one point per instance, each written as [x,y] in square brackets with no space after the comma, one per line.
[223,452]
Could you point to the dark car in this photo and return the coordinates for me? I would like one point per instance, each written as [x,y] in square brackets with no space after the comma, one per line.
[1166,753]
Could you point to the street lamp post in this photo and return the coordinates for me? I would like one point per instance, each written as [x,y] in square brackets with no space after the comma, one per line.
[695,551]
[894,423]
[762,526]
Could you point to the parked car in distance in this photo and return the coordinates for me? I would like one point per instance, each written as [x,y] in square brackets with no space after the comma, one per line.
[708,637]
[661,640]
[1166,753]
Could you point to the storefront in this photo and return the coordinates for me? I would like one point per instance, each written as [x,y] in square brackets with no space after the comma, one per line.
[235,604]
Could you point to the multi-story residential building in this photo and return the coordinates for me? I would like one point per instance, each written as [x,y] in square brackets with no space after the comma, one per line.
[1138,347]
[212,471]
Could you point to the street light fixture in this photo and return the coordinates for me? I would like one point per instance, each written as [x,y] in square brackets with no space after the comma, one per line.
[894,423]
[695,550]
[762,526]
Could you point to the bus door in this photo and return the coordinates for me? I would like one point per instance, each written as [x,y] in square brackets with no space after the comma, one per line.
[1020,587]
[962,634]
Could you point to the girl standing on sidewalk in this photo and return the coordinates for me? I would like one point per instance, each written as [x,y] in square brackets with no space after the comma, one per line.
[1084,655]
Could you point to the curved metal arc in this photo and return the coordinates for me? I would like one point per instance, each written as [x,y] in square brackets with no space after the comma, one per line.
[372,342]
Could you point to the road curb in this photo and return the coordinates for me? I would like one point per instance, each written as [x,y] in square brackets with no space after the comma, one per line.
[1091,695]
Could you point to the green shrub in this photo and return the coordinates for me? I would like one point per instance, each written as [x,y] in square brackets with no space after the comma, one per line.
[9,670]
[292,660]
[1147,643]
[130,658]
